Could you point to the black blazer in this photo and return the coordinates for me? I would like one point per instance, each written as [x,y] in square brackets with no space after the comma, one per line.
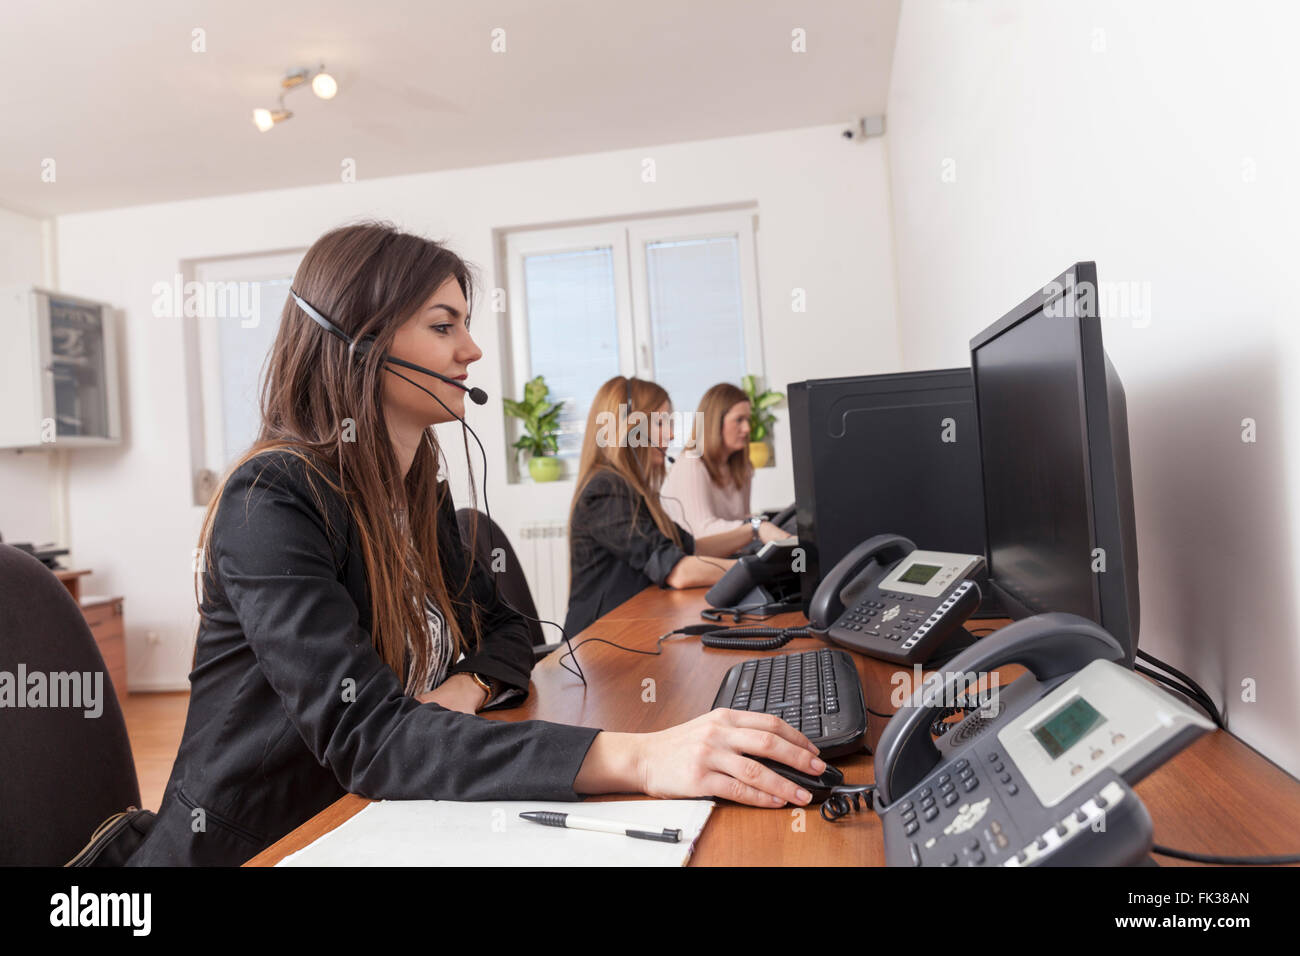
[615,549]
[290,705]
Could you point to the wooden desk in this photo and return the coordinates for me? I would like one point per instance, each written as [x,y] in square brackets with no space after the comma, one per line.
[1217,796]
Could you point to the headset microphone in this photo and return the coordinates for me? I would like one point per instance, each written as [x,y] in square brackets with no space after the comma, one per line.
[476,394]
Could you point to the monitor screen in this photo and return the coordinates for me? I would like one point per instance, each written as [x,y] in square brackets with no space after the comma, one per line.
[1038,502]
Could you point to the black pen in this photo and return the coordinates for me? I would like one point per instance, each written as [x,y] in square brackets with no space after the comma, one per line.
[572,821]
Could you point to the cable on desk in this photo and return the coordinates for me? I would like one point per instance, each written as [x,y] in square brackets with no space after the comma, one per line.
[940,726]
[631,650]
[1190,687]
[730,638]
[845,800]
[1203,702]
[1225,860]
[749,638]
[755,612]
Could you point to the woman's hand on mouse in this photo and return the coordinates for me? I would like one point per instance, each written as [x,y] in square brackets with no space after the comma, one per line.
[710,756]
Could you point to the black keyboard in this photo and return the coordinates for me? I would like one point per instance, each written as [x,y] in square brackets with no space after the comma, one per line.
[816,692]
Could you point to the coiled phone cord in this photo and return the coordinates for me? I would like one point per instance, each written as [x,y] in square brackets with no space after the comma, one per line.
[845,800]
[751,638]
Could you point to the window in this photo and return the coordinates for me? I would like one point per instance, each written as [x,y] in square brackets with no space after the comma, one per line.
[669,299]
[235,314]
[570,298]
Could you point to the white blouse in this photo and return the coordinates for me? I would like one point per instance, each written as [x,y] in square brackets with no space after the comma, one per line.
[440,658]
[690,498]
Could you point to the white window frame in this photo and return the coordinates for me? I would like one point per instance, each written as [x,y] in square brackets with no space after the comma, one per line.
[520,245]
[207,446]
[628,238]
[703,226]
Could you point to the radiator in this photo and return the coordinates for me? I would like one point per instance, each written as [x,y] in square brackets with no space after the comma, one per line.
[544,553]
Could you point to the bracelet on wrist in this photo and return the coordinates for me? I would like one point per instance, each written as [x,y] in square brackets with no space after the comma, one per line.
[489,691]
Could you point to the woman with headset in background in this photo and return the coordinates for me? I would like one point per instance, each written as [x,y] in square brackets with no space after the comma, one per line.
[621,540]
[708,489]
[347,637]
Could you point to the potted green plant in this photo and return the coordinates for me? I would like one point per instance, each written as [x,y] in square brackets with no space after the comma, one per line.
[541,428]
[761,420]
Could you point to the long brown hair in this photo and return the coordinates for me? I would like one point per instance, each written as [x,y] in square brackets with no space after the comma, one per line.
[322,401]
[724,467]
[611,444]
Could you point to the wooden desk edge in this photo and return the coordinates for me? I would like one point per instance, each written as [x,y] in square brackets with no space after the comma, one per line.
[303,836]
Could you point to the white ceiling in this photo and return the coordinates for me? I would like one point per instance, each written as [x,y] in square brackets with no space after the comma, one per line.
[113,93]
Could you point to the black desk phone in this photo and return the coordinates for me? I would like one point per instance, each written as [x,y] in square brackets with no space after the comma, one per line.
[761,582]
[888,600]
[1043,774]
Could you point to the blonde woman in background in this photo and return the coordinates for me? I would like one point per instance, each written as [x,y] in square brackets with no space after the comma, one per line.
[707,489]
[621,540]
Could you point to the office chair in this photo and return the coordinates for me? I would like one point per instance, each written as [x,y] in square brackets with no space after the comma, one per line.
[63,772]
[512,583]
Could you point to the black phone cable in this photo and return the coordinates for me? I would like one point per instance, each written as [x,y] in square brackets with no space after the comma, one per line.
[1206,705]
[1190,690]
[1196,689]
[754,612]
[712,635]
[844,800]
[1225,860]
[631,650]
[750,638]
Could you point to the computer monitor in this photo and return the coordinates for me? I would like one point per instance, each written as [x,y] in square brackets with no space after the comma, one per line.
[885,454]
[1058,490]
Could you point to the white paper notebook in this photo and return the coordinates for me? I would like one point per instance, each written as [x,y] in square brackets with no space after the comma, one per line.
[447,833]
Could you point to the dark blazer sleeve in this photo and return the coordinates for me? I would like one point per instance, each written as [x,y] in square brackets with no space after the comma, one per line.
[271,552]
[608,513]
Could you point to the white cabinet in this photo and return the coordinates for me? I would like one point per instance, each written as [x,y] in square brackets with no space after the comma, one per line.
[58,371]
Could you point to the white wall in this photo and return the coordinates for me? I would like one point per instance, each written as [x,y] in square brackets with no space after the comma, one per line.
[27,507]
[1158,139]
[823,227]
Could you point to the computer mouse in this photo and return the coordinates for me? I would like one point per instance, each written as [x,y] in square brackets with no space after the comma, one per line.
[819,787]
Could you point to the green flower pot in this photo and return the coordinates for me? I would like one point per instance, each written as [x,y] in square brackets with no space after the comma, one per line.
[546,468]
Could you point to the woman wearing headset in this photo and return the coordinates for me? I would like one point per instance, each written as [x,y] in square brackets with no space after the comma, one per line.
[707,489]
[346,637]
[621,540]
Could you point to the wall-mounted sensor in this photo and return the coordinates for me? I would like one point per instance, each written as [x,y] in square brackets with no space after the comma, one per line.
[862,127]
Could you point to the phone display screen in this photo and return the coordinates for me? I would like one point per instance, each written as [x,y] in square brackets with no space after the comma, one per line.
[1067,727]
[919,574]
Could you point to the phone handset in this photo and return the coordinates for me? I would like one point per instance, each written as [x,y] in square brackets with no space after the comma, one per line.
[1048,645]
[870,561]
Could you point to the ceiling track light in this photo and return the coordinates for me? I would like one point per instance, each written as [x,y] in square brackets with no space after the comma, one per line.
[322,84]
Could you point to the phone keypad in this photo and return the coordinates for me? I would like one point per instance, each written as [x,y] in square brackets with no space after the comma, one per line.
[958,817]
[1083,817]
[929,623]
[898,618]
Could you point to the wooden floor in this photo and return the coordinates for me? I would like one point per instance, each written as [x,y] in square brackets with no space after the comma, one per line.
[154,722]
